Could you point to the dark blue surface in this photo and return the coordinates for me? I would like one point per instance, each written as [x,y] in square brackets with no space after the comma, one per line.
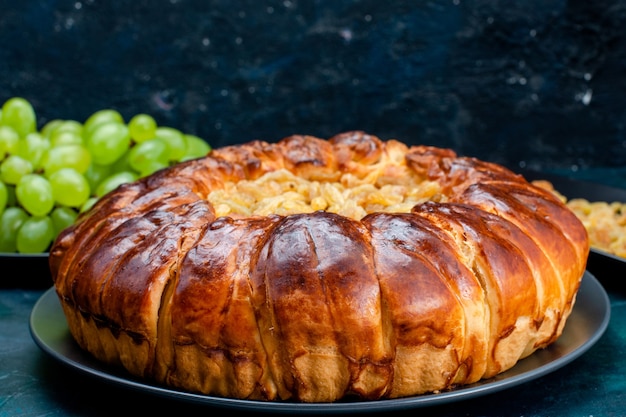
[537,84]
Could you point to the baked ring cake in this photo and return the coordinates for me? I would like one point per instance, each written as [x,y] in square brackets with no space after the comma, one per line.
[316,270]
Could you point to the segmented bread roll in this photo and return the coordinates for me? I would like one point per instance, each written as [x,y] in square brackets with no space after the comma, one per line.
[314,270]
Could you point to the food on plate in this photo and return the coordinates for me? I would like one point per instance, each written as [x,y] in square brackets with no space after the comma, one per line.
[48,176]
[605,221]
[314,270]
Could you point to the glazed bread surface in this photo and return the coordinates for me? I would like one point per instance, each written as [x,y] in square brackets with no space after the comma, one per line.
[316,270]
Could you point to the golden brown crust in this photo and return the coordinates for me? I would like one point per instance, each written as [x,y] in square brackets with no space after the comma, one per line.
[319,306]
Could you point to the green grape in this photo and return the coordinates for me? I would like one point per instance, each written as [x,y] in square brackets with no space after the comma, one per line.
[35,235]
[4,196]
[108,142]
[14,168]
[11,198]
[142,127]
[47,129]
[152,167]
[67,126]
[34,193]
[66,132]
[88,204]
[96,173]
[32,148]
[112,182]
[196,148]
[99,117]
[69,187]
[10,222]
[175,142]
[65,137]
[122,164]
[66,156]
[18,113]
[144,155]
[62,218]
[9,141]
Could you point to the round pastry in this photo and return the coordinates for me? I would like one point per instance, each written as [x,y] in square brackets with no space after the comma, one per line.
[315,270]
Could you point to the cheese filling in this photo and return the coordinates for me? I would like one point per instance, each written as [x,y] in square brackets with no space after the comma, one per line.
[281,192]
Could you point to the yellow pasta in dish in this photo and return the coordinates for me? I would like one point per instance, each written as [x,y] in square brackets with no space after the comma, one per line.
[282,192]
[605,221]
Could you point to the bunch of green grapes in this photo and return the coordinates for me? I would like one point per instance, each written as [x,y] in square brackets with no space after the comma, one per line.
[49,176]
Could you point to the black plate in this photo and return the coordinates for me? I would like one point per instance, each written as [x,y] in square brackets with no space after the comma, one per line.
[607,267]
[27,271]
[587,323]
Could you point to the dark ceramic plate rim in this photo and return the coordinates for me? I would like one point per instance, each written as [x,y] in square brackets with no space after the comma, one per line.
[587,323]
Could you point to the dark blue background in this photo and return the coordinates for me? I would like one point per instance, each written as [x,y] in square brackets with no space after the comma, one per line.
[535,84]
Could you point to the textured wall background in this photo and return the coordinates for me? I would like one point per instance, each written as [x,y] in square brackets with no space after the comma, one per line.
[539,83]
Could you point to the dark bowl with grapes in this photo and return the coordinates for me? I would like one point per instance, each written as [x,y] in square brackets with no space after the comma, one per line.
[51,172]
